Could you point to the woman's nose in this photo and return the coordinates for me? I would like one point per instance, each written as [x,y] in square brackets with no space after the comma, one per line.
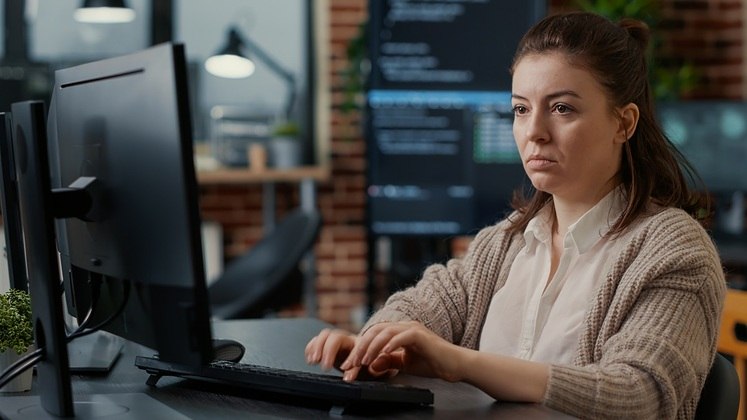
[535,128]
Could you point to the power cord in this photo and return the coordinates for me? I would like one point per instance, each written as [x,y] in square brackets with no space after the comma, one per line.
[83,330]
[20,366]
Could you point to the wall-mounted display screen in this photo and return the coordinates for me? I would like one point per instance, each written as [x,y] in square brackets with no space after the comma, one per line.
[442,158]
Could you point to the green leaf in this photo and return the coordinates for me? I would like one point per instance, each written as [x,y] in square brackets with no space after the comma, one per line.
[16,328]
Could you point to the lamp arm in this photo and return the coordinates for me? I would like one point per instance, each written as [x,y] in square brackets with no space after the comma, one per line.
[291,101]
[276,68]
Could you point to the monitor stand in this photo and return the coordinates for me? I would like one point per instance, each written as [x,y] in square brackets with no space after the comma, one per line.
[108,406]
[94,353]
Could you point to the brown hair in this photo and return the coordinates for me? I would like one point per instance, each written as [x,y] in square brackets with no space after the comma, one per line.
[651,167]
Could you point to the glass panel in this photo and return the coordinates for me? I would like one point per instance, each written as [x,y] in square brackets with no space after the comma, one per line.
[55,37]
[278,27]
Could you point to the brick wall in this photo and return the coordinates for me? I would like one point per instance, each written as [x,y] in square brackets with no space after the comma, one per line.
[706,33]
[709,34]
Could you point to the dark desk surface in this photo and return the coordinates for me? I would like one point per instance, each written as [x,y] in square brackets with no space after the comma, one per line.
[280,343]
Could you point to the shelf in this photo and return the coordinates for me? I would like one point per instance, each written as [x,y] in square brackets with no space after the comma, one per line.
[235,176]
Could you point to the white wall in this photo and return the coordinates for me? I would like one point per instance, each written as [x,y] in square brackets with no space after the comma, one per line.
[212,250]
[4,275]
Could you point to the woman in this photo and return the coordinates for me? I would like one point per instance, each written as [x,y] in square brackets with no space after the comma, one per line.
[600,296]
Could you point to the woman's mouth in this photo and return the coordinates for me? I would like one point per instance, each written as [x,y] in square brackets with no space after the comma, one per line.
[539,163]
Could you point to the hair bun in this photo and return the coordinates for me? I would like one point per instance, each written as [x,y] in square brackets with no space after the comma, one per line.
[638,30]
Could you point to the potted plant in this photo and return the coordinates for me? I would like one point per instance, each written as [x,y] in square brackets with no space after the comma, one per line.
[16,335]
[285,145]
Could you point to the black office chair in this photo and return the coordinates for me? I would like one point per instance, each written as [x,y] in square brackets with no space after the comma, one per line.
[267,276]
[719,399]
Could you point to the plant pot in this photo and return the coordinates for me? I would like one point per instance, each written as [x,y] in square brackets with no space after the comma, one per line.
[20,383]
[284,152]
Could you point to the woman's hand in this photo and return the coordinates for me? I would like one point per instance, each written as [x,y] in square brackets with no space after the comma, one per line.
[403,346]
[390,347]
[330,348]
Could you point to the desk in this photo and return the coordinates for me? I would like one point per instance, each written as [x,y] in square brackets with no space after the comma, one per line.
[305,176]
[280,343]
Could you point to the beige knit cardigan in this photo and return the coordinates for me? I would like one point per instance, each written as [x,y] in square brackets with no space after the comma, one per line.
[649,335]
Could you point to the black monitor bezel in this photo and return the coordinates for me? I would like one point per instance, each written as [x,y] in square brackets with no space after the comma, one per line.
[37,220]
[14,253]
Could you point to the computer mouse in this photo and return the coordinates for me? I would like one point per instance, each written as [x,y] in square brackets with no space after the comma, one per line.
[226,349]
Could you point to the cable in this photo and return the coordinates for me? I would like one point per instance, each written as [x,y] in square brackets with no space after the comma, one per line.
[35,356]
[94,285]
[82,331]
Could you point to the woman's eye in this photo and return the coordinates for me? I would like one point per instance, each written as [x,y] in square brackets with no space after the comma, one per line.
[562,109]
[520,109]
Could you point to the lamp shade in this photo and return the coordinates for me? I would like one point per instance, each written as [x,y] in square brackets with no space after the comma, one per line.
[104,11]
[231,62]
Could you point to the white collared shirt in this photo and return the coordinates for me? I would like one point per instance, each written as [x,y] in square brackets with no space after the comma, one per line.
[533,322]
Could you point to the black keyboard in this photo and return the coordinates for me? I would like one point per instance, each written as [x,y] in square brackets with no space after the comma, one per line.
[297,383]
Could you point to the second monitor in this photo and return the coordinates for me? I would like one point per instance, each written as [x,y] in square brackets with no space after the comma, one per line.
[125,122]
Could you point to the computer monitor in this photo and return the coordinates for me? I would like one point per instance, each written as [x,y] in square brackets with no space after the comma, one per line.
[35,201]
[712,134]
[124,191]
[14,254]
[126,122]
[442,159]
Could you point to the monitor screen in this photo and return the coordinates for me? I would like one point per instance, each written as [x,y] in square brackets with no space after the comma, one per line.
[125,122]
[712,135]
[441,153]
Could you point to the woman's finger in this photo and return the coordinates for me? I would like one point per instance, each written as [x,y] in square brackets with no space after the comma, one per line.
[360,348]
[363,344]
[388,362]
[316,345]
[403,338]
[351,374]
[378,342]
[331,348]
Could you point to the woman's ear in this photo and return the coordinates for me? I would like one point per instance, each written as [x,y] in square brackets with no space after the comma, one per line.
[629,115]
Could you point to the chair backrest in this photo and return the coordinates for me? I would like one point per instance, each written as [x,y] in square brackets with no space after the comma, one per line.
[250,280]
[719,399]
[732,339]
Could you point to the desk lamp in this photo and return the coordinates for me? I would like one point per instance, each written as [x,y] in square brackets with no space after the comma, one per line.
[104,11]
[232,61]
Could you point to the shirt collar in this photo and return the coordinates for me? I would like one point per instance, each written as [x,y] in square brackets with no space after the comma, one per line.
[540,227]
[587,230]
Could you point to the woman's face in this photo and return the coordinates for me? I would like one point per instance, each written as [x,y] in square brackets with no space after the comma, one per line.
[569,139]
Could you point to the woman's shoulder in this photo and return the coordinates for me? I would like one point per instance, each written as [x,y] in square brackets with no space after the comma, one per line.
[669,221]
[672,231]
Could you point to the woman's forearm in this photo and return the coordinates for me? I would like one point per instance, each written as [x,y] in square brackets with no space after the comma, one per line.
[504,378]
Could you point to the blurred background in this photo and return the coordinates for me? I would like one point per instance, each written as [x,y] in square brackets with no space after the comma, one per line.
[392,202]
